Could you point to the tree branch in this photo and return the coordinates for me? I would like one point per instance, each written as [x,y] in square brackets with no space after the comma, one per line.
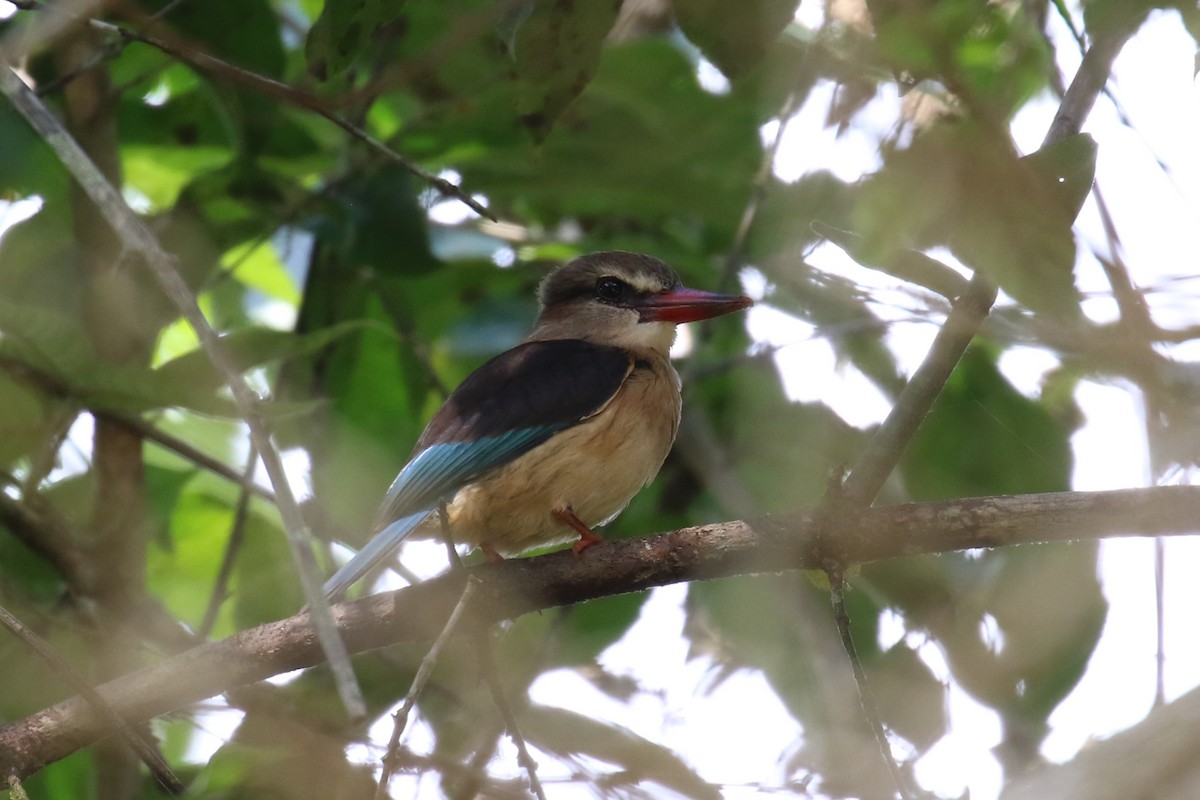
[972,307]
[137,239]
[802,539]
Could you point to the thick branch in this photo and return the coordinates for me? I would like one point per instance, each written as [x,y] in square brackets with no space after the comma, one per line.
[804,539]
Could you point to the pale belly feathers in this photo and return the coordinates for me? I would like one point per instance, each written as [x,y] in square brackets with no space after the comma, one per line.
[594,468]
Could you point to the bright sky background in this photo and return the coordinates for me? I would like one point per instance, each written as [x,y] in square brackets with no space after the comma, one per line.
[1150,176]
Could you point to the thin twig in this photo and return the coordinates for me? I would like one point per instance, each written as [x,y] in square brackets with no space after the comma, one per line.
[400,718]
[448,536]
[144,750]
[56,387]
[883,452]
[14,786]
[866,697]
[237,535]
[198,59]
[190,453]
[136,238]
[799,539]
[492,675]
[206,62]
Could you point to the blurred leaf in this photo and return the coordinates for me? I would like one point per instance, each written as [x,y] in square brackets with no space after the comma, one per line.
[22,425]
[785,450]
[570,735]
[907,265]
[557,49]
[342,32]
[979,428]
[248,348]
[165,146]
[266,587]
[163,489]
[257,265]
[997,213]
[1068,166]
[246,33]
[978,607]
[734,36]
[275,754]
[587,629]
[993,56]
[643,142]
[27,165]
[911,699]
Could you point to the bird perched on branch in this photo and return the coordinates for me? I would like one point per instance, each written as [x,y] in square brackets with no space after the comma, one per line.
[554,437]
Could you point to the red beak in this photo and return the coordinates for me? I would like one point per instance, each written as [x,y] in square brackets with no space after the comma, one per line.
[682,304]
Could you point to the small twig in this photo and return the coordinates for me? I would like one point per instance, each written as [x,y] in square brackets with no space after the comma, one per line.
[492,675]
[866,697]
[42,461]
[237,535]
[883,451]
[201,60]
[208,63]
[147,753]
[190,453]
[448,536]
[14,786]
[56,388]
[400,718]
[137,239]
[35,523]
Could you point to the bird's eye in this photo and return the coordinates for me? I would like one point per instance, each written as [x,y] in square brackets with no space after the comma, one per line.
[609,289]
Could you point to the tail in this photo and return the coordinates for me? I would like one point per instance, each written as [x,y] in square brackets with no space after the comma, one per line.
[372,553]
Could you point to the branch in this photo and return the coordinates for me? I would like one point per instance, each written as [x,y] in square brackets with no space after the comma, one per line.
[137,239]
[147,752]
[802,539]
[205,62]
[971,309]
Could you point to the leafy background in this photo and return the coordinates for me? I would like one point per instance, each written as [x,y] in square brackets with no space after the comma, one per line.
[355,294]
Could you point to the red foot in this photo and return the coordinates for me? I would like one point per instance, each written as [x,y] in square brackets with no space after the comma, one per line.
[587,537]
[489,554]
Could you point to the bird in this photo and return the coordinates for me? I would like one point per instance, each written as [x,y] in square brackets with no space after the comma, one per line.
[551,439]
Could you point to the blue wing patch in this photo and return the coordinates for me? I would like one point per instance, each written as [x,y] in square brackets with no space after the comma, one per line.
[440,469]
[504,409]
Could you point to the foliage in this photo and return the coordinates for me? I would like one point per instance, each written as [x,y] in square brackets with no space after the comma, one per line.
[354,294]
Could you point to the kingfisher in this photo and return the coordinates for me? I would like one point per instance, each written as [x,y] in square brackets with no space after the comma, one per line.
[553,438]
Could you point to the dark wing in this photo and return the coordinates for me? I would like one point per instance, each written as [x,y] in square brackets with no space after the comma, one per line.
[505,408]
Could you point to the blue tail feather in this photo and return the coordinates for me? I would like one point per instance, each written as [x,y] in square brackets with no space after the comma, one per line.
[372,553]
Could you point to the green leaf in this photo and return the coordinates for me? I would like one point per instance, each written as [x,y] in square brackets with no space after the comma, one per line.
[784,450]
[166,146]
[996,212]
[905,264]
[557,50]
[342,32]
[257,265]
[734,36]
[1068,168]
[247,349]
[983,437]
[978,608]
[643,145]
[22,424]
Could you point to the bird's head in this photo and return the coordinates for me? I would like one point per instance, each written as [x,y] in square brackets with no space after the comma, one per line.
[623,299]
